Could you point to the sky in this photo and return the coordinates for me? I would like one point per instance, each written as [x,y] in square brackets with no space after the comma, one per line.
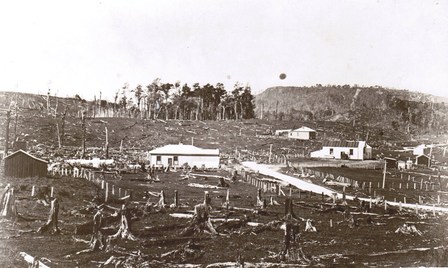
[88,47]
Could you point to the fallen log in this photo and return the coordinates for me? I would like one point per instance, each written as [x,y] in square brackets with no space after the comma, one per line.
[403,251]
[248,265]
[33,261]
[206,186]
[408,229]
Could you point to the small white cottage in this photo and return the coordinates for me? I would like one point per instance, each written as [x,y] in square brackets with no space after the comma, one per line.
[421,149]
[303,133]
[353,150]
[176,155]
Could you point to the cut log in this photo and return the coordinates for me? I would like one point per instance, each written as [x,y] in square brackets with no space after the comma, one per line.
[408,229]
[52,223]
[32,261]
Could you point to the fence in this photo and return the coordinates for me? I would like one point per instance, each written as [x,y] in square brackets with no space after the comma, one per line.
[92,176]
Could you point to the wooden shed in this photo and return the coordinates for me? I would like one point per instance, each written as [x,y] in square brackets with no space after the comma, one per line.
[390,162]
[423,160]
[21,164]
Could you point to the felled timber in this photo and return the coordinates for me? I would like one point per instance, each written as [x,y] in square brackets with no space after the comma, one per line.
[32,261]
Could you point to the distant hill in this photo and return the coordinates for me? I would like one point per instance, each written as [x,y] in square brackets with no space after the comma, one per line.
[368,106]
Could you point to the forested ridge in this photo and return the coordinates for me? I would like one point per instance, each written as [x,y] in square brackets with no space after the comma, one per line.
[403,110]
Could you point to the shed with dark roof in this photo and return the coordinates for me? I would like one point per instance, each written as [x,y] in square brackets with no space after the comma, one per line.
[21,164]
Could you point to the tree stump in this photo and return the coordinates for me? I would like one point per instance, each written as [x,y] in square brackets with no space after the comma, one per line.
[124,231]
[201,219]
[292,250]
[161,203]
[7,203]
[289,211]
[52,223]
[260,202]
[97,241]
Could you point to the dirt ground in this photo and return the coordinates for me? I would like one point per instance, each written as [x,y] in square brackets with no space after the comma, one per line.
[371,242]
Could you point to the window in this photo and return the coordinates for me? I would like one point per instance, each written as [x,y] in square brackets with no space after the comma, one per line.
[176,160]
[351,151]
[158,160]
[331,150]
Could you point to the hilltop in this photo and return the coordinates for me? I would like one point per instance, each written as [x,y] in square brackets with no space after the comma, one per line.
[402,110]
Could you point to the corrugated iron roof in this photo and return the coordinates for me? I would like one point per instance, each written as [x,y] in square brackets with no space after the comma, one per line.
[351,144]
[183,149]
[22,151]
[304,129]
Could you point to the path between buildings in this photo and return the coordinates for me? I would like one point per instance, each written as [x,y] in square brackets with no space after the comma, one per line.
[308,186]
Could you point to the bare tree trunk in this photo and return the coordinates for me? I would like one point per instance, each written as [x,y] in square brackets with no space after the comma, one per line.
[236,109]
[106,146]
[15,121]
[83,134]
[8,120]
[63,126]
[48,102]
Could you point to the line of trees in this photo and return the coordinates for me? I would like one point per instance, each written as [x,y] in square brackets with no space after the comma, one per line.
[176,101]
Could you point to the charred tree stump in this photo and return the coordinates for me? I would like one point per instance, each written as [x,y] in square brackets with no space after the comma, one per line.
[97,241]
[176,200]
[161,203]
[260,202]
[52,223]
[292,250]
[7,203]
[222,183]
[201,219]
[124,231]
[289,211]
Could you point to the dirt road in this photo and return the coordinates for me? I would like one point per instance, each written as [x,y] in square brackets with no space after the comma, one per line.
[307,186]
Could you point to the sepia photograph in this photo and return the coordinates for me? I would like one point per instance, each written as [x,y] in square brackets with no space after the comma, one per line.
[236,133]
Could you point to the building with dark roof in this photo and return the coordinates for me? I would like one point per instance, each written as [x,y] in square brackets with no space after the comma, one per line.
[21,164]
[351,150]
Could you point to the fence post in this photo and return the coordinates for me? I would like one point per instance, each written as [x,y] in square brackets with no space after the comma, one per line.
[106,198]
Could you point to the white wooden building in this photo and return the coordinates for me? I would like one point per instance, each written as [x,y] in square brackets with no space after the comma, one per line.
[176,155]
[303,133]
[421,149]
[353,150]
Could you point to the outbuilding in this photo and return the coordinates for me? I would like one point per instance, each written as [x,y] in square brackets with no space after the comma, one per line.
[423,160]
[177,155]
[303,133]
[21,164]
[390,162]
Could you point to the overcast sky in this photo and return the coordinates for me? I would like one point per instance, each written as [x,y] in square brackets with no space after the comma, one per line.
[84,47]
